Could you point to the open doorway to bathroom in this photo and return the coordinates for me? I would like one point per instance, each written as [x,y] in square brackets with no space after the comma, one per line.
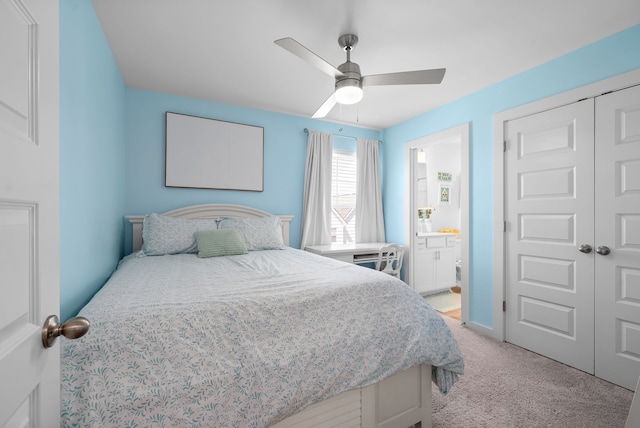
[437,219]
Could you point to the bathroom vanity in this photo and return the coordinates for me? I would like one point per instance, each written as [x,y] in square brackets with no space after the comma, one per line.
[435,262]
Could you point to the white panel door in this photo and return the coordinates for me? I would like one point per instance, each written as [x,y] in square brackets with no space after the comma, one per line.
[549,213]
[29,219]
[617,215]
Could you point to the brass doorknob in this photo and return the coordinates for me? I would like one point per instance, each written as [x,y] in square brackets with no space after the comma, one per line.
[72,329]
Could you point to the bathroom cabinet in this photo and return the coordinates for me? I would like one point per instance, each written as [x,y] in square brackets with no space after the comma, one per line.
[435,262]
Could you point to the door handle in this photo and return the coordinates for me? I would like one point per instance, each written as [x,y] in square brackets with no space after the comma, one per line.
[603,251]
[585,248]
[72,329]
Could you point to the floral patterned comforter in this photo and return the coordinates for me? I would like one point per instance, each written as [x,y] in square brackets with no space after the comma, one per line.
[243,341]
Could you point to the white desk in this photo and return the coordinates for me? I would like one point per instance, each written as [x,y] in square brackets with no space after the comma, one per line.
[351,253]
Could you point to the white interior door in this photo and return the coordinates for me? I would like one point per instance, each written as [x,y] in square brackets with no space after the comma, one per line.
[29,218]
[549,212]
[617,215]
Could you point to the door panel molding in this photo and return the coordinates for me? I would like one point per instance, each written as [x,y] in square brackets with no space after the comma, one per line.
[549,316]
[19,105]
[547,272]
[556,228]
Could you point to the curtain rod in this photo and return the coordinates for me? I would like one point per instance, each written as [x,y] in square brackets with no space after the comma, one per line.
[306,131]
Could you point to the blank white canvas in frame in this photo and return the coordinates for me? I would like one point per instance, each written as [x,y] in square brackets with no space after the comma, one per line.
[213,154]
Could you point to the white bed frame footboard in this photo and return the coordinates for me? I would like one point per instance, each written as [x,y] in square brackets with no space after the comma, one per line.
[400,401]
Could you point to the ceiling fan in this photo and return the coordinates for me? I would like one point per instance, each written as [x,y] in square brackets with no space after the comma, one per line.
[349,81]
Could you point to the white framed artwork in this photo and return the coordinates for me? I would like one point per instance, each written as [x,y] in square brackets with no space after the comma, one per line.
[444,195]
[213,154]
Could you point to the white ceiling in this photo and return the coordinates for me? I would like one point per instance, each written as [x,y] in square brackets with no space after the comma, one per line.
[223,50]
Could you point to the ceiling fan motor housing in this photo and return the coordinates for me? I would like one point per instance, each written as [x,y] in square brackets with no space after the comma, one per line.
[349,87]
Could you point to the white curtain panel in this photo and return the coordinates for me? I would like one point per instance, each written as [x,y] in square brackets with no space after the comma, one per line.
[316,209]
[369,216]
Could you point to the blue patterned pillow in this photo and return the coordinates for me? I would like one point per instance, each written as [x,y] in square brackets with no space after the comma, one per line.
[169,235]
[263,233]
[215,243]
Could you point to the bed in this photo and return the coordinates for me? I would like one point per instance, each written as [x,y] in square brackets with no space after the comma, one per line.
[201,333]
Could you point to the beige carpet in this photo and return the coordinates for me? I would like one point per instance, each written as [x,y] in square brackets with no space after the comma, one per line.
[507,386]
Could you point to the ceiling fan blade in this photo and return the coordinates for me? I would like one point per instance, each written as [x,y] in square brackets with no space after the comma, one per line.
[300,51]
[325,108]
[419,77]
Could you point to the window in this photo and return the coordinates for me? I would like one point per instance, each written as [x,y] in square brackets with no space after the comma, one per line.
[343,197]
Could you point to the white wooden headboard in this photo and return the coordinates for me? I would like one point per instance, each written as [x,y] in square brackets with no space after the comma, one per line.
[209,211]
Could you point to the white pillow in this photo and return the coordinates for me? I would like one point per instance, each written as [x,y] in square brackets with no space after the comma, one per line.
[169,235]
[264,233]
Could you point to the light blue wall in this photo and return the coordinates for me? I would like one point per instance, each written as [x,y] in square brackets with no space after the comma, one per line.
[92,156]
[285,148]
[606,58]
[112,152]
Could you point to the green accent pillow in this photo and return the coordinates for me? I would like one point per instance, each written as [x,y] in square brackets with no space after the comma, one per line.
[215,243]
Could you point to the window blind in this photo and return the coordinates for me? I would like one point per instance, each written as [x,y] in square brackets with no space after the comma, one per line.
[343,196]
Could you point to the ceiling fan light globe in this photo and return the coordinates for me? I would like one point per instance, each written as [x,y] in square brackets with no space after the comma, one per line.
[348,94]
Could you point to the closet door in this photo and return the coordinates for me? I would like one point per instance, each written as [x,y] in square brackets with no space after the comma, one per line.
[549,212]
[617,220]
